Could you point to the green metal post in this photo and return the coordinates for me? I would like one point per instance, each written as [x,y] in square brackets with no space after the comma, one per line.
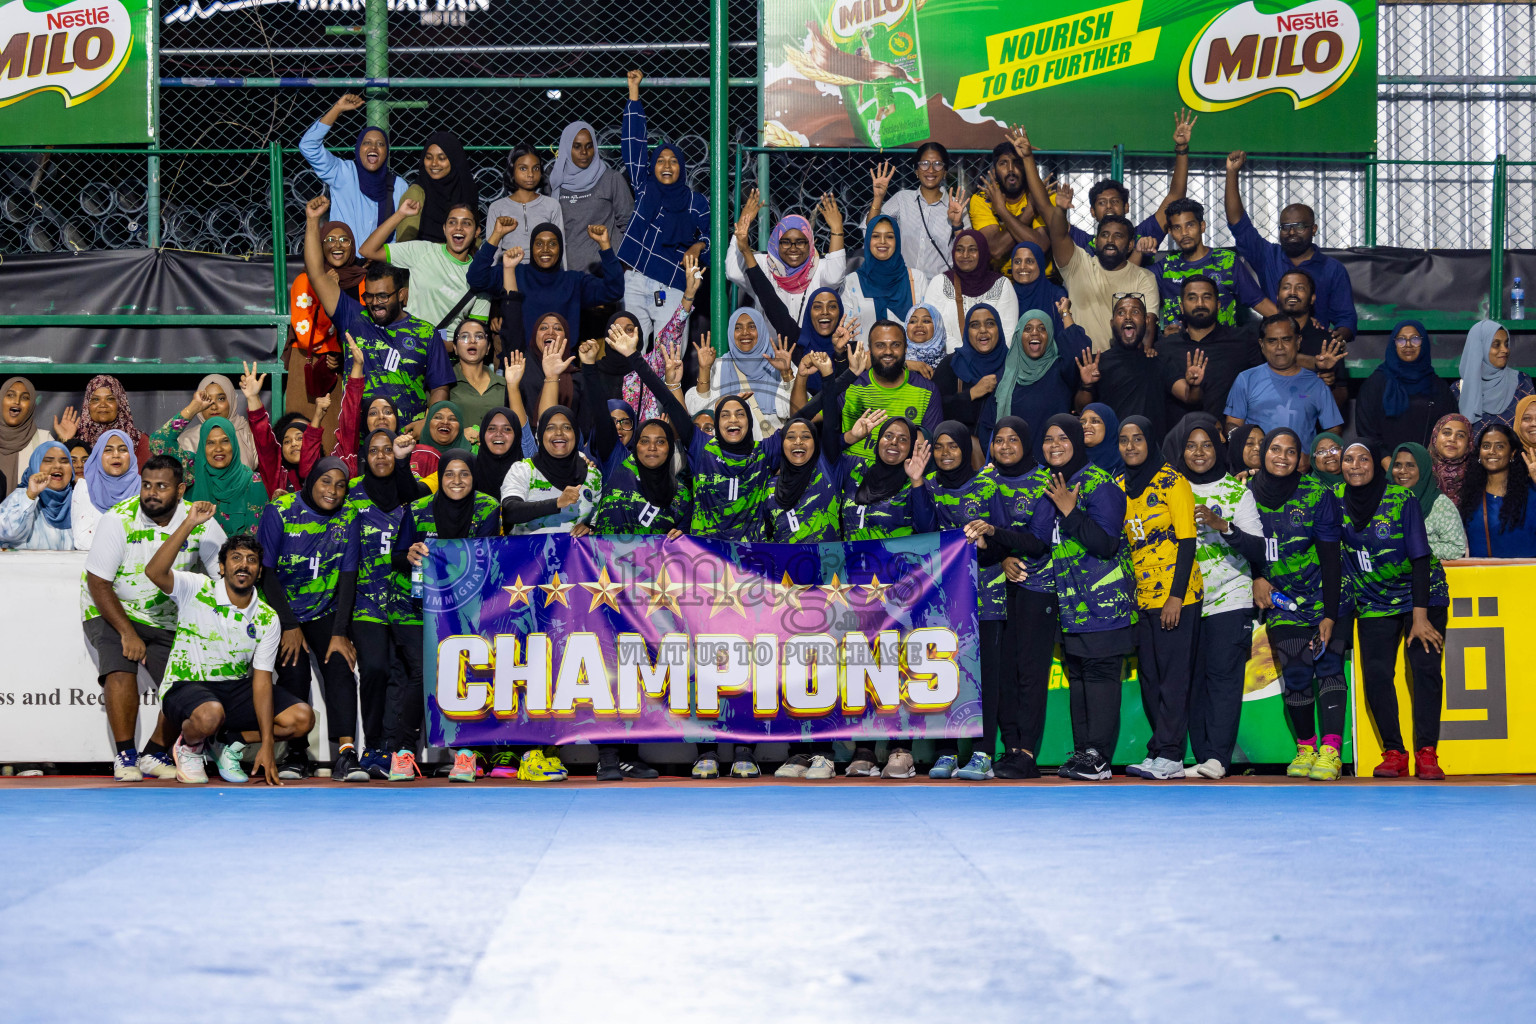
[1117,162]
[1496,238]
[1369,235]
[152,165]
[719,170]
[279,275]
[376,59]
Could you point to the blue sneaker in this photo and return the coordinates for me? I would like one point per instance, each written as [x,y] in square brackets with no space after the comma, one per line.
[944,767]
[977,768]
[375,762]
[228,761]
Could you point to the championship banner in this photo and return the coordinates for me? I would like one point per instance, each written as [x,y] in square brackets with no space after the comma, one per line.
[547,639]
[75,71]
[1267,76]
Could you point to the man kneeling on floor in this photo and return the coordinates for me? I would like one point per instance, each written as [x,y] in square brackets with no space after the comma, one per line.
[218,681]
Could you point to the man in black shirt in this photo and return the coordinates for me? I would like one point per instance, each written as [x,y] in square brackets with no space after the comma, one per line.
[1226,352]
[1135,379]
[1320,351]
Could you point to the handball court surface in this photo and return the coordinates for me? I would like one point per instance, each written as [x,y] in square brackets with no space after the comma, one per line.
[1254,899]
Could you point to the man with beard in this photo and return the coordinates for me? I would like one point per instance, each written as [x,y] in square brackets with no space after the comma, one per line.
[1135,379]
[1225,351]
[437,269]
[402,360]
[127,620]
[1334,297]
[1001,208]
[889,386]
[1233,278]
[218,679]
[1110,197]
[1282,393]
[1320,351]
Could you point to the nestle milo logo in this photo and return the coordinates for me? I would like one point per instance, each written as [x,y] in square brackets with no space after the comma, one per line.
[1242,54]
[75,48]
[846,19]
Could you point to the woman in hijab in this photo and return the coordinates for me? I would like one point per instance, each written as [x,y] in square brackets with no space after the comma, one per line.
[1040,378]
[1401,599]
[446,180]
[523,174]
[444,430]
[795,270]
[285,454]
[758,363]
[926,342]
[1161,535]
[555,489]
[1245,451]
[35,516]
[501,446]
[884,287]
[310,330]
[111,475]
[1302,522]
[1489,387]
[1101,433]
[1411,468]
[364,192]
[971,281]
[1091,573]
[1403,398]
[1450,452]
[1229,536]
[19,432]
[587,191]
[216,474]
[221,398]
[537,286]
[106,408]
[1328,458]
[967,378]
[1031,288]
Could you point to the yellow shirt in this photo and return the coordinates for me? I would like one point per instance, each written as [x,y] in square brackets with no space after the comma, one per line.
[1155,521]
[983,217]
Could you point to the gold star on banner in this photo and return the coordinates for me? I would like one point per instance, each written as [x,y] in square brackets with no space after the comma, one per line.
[788,591]
[556,591]
[836,591]
[874,590]
[604,592]
[519,593]
[663,593]
[725,592]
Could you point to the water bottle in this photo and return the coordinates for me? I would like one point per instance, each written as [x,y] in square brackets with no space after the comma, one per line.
[418,575]
[1517,301]
[1282,602]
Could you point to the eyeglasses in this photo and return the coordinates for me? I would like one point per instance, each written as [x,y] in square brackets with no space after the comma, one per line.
[930,165]
[794,243]
[1327,450]
[380,296]
[1409,340]
[1295,225]
[333,239]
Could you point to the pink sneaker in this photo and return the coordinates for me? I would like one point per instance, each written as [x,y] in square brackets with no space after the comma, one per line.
[504,765]
[403,767]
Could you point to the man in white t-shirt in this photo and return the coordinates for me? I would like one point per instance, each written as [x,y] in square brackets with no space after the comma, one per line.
[438,269]
[128,622]
[218,678]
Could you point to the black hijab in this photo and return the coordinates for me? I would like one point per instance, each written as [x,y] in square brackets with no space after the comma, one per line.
[1361,503]
[453,516]
[456,188]
[1138,477]
[321,468]
[1274,491]
[1178,437]
[1235,445]
[1073,428]
[381,490]
[794,479]
[610,363]
[1026,461]
[286,423]
[954,479]
[881,480]
[489,468]
[747,442]
[658,486]
[561,473]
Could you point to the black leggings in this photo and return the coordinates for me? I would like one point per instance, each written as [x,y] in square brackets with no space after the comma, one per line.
[1216,691]
[995,664]
[1379,639]
[403,696]
[1299,668]
[338,683]
[1164,659]
[1035,628]
[1093,691]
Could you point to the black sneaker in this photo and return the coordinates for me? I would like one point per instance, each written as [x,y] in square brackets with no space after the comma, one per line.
[635,768]
[1090,767]
[347,769]
[1016,764]
[294,767]
[608,769]
[1073,762]
[376,763]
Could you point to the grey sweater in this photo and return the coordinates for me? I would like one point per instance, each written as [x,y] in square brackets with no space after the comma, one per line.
[609,203]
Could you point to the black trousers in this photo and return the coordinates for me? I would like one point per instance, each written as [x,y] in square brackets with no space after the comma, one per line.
[1216,691]
[1300,666]
[1034,628]
[1094,696]
[375,661]
[403,697]
[1379,639]
[997,671]
[1165,660]
[338,683]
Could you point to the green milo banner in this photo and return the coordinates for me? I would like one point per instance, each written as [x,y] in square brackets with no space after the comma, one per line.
[75,71]
[1264,75]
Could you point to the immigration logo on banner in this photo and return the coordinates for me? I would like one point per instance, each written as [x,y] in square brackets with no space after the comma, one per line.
[75,71]
[547,639]
[1267,75]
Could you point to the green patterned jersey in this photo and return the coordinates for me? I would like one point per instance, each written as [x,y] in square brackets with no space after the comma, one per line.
[216,641]
[403,362]
[309,552]
[952,509]
[1094,594]
[908,511]
[1235,284]
[813,519]
[421,523]
[1378,559]
[623,508]
[728,489]
[1291,535]
[125,541]
[524,482]
[378,594]
[1017,497]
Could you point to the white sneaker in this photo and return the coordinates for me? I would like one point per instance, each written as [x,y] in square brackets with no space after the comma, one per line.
[1164,768]
[1141,771]
[821,768]
[228,761]
[189,764]
[1210,769]
[157,765]
[124,769]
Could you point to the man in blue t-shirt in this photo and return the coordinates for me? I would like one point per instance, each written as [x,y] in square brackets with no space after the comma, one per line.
[1281,393]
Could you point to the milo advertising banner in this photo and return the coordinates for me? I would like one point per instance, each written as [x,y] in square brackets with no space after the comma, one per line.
[1264,75]
[75,71]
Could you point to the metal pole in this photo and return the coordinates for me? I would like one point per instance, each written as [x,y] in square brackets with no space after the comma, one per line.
[1369,235]
[1117,162]
[152,165]
[719,170]
[376,59]
[1496,238]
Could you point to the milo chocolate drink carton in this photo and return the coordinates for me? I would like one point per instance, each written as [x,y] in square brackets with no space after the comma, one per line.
[870,49]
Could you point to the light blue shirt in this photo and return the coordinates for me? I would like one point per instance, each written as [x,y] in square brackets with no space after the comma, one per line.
[348,204]
[1272,400]
[23,527]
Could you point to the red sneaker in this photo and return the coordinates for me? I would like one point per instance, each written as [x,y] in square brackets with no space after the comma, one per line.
[1428,766]
[1394,765]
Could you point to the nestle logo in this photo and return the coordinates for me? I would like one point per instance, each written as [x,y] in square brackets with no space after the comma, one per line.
[79,19]
[1308,21]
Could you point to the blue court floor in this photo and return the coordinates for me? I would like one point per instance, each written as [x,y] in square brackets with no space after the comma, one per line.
[845,903]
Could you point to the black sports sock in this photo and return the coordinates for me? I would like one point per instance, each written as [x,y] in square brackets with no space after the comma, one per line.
[153,748]
[123,745]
